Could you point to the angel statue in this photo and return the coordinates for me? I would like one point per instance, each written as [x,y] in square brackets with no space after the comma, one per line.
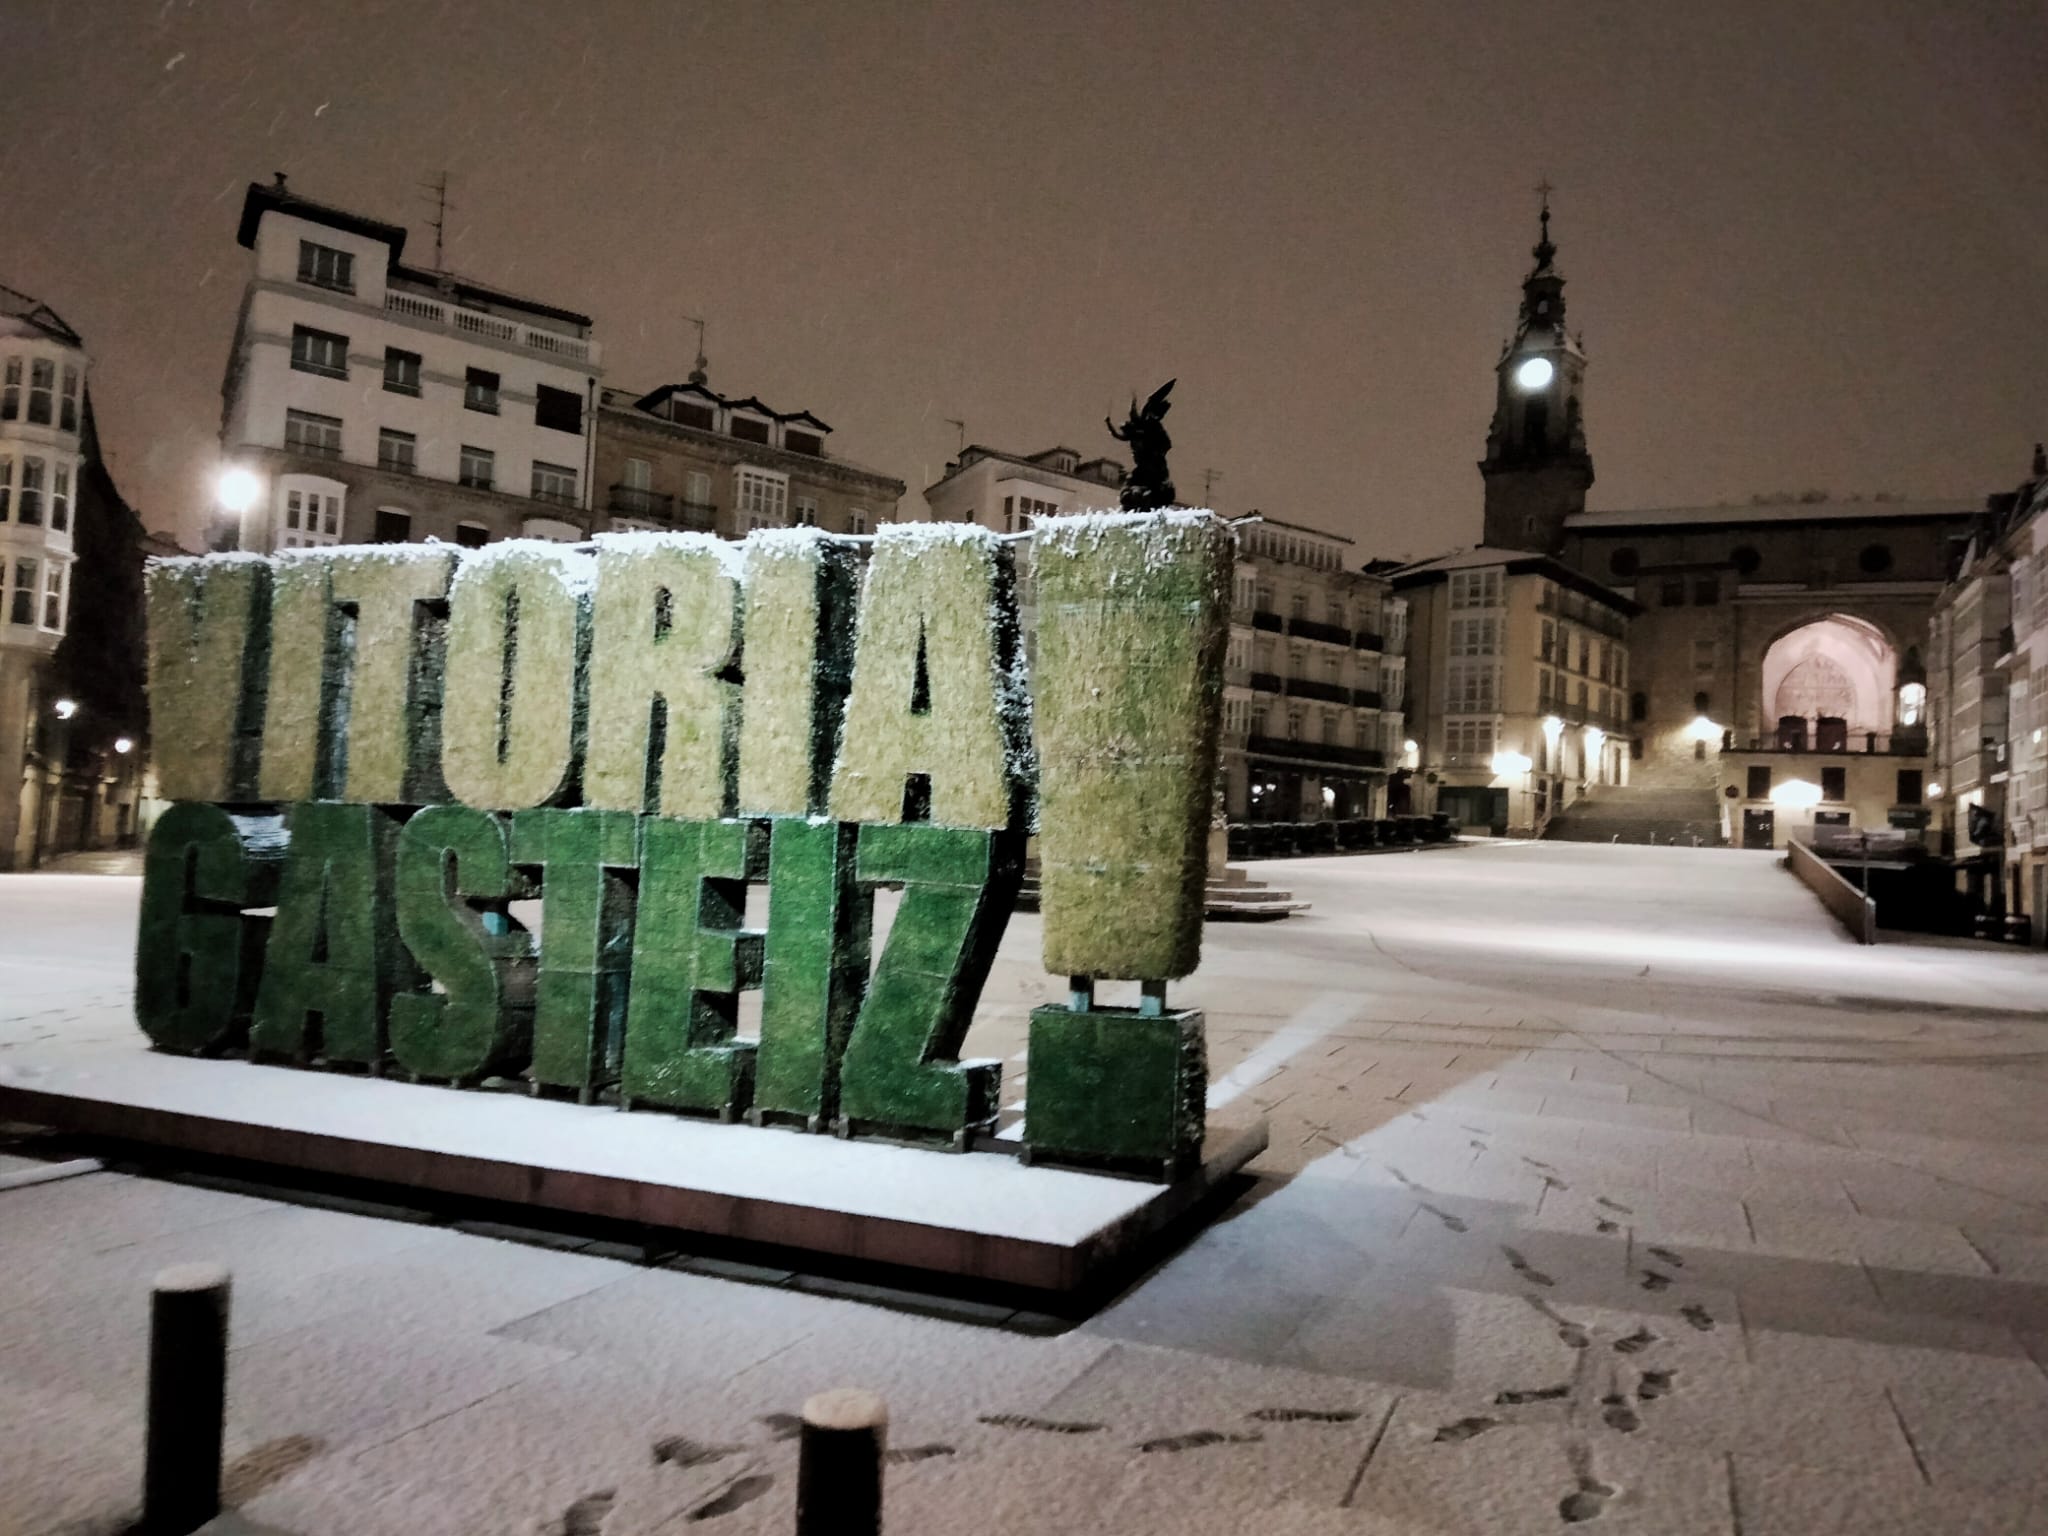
[1147,487]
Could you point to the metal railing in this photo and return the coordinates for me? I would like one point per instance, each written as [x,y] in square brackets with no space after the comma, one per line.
[636,501]
[492,327]
[1309,688]
[1312,629]
[1316,751]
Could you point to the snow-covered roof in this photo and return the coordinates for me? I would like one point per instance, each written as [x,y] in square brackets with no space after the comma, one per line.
[1775,512]
[1466,559]
[28,314]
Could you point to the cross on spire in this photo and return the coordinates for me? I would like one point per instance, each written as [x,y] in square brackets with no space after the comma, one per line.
[1544,250]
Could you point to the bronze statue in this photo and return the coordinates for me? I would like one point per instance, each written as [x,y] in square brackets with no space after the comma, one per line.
[1147,487]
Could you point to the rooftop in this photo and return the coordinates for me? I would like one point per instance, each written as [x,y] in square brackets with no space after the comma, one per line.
[1517,562]
[697,390]
[1752,513]
[1097,471]
[36,315]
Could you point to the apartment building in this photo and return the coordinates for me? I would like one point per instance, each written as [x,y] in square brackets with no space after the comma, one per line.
[377,401]
[1520,669]
[1004,491]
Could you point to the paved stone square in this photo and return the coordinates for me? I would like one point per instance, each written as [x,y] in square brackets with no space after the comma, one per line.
[1607,1185]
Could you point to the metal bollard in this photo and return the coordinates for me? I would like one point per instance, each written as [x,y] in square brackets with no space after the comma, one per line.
[188,1370]
[839,1464]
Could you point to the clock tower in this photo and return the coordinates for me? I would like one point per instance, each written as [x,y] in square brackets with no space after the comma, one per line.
[1537,469]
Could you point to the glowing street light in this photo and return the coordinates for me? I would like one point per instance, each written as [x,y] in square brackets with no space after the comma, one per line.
[1553,728]
[237,489]
[1505,763]
[1935,791]
[1534,374]
[1795,794]
[124,745]
[64,709]
[1702,729]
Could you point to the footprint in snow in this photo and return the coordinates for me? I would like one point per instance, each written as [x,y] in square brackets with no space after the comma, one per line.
[1463,1429]
[1194,1440]
[1524,1268]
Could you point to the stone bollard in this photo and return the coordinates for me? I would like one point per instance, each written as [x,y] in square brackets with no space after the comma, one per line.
[839,1464]
[188,1367]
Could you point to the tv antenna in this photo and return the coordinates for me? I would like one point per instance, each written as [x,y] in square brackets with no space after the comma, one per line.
[439,223]
[1209,479]
[959,434]
[698,371]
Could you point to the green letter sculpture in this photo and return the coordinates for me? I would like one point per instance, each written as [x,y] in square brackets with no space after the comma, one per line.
[820,920]
[208,629]
[586,860]
[198,952]
[480,1022]
[901,1071]
[691,960]
[801,586]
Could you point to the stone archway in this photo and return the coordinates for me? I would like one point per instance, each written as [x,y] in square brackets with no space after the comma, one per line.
[1834,666]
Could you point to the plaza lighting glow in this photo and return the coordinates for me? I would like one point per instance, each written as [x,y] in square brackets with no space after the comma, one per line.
[1702,729]
[1408,746]
[1594,736]
[1512,762]
[1534,373]
[1552,729]
[1795,792]
[1934,791]
[1329,797]
[124,745]
[236,489]
[65,708]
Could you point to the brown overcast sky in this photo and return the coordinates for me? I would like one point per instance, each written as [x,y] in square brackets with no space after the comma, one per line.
[1808,244]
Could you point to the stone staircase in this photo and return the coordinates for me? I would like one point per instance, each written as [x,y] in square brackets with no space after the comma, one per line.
[1641,813]
[1233,896]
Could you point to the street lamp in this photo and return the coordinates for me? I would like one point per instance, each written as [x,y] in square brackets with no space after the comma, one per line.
[64,709]
[237,489]
[124,745]
[1796,794]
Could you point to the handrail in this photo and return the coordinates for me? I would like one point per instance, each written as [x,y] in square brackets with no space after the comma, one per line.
[1856,910]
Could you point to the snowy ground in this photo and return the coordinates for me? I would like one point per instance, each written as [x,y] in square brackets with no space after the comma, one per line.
[1607,1185]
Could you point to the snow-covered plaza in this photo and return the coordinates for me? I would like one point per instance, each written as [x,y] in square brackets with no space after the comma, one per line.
[1606,1185]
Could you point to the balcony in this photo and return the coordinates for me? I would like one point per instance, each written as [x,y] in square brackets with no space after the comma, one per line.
[635,501]
[1264,618]
[1910,741]
[699,516]
[556,498]
[1310,629]
[1265,682]
[1308,688]
[1367,698]
[471,322]
[1316,752]
[1366,640]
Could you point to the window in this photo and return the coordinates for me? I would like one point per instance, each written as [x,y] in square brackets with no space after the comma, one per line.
[60,498]
[42,380]
[1472,687]
[21,601]
[401,371]
[1703,655]
[397,451]
[477,468]
[1706,592]
[1469,738]
[1297,607]
[472,535]
[56,587]
[560,410]
[320,436]
[393,526]
[1475,589]
[1909,786]
[320,352]
[1018,512]
[1623,562]
[30,509]
[639,475]
[697,490]
[10,390]
[1671,595]
[1745,560]
[1639,706]
[1549,646]
[1834,783]
[690,414]
[312,513]
[803,442]
[67,404]
[1874,560]
[763,498]
[748,430]
[1475,637]
[480,391]
[554,482]
[325,267]
[856,519]
[1294,725]
[6,487]
[807,511]
[1543,685]
[1759,781]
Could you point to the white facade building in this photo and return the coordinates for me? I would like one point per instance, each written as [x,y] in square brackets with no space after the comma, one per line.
[381,402]
[1004,491]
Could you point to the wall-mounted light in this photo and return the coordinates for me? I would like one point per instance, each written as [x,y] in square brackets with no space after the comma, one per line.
[64,709]
[124,745]
[1552,729]
[1506,762]
[1702,729]
[1594,736]
[1795,794]
[1935,791]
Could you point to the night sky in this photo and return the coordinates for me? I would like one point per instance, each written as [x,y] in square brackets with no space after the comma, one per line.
[1808,245]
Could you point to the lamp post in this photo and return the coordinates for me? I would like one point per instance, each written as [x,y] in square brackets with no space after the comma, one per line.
[236,490]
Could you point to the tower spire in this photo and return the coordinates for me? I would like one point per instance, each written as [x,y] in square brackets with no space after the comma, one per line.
[1543,250]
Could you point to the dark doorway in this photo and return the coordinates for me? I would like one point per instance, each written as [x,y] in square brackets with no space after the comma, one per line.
[1759,829]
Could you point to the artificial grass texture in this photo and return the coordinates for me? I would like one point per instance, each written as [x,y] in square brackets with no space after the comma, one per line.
[209,621]
[937,694]
[1111,1088]
[512,715]
[198,950]
[1133,620]
[664,717]
[586,861]
[801,589]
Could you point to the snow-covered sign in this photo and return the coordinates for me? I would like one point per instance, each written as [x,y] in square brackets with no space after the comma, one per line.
[374,752]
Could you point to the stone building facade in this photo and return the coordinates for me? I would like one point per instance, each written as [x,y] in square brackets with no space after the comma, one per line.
[379,402]
[684,456]
[72,727]
[1520,667]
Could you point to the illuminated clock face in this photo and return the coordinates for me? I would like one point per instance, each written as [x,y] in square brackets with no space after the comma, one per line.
[1534,373]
